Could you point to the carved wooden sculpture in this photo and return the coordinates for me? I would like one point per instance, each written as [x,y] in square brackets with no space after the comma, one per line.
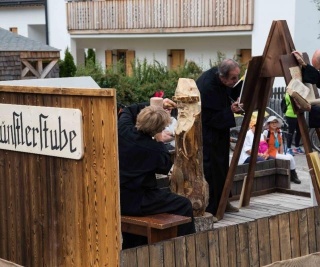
[187,175]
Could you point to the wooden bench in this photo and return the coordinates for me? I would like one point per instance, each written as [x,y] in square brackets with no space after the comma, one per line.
[269,176]
[156,227]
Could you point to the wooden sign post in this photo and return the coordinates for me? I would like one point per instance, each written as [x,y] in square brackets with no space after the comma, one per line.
[256,93]
[59,180]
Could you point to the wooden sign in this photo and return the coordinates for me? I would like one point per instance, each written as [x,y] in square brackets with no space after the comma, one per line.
[41,130]
[58,211]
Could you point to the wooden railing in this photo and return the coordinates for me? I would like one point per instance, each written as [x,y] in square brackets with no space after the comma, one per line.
[155,16]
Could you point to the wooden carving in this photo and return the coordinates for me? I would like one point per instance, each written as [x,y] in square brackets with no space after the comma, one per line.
[187,175]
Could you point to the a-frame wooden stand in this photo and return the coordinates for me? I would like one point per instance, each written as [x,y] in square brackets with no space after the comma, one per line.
[262,70]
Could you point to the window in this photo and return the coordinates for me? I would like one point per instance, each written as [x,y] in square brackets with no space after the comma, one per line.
[123,57]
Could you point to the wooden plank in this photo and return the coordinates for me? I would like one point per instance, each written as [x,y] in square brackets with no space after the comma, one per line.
[274,238]
[168,253]
[143,255]
[156,255]
[191,249]
[107,92]
[180,249]
[242,245]
[223,247]
[214,257]
[231,241]
[311,231]
[129,258]
[202,249]
[304,239]
[253,244]
[317,226]
[284,229]
[295,234]
[264,241]
[158,221]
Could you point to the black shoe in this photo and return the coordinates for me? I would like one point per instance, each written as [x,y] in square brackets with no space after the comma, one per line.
[230,208]
[294,177]
[296,180]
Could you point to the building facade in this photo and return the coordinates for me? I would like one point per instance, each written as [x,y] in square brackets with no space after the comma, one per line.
[168,31]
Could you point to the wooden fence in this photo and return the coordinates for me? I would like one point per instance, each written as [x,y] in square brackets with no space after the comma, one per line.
[256,243]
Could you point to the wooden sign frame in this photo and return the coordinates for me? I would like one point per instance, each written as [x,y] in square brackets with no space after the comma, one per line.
[257,90]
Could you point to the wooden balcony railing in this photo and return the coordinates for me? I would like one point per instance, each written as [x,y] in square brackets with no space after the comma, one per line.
[159,16]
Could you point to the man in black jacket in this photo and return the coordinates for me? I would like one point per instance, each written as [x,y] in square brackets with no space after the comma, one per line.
[142,155]
[310,74]
[218,105]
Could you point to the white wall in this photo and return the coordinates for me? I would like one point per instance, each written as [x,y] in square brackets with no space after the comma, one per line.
[302,18]
[21,18]
[307,27]
[57,24]
[265,12]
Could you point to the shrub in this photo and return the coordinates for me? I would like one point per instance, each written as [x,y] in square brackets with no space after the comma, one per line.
[67,66]
[91,69]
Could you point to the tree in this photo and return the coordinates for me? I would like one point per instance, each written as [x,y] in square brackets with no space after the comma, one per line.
[67,66]
[91,56]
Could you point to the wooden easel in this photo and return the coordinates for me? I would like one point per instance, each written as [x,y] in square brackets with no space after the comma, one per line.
[262,70]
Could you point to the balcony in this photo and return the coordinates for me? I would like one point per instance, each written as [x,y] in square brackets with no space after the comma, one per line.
[159,16]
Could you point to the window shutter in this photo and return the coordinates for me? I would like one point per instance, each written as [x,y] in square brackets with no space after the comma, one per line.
[108,59]
[130,55]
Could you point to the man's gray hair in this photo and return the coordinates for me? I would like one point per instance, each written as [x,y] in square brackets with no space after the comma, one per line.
[226,66]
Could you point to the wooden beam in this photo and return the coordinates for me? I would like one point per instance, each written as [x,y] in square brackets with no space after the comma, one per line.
[31,68]
[48,68]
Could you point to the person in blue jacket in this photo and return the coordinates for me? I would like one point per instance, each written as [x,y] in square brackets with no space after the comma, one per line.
[142,155]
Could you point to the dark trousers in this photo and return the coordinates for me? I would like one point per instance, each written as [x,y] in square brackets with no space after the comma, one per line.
[215,168]
[162,201]
[293,127]
[258,159]
[314,117]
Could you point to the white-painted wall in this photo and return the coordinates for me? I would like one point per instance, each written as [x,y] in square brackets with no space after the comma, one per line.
[302,18]
[21,18]
[57,21]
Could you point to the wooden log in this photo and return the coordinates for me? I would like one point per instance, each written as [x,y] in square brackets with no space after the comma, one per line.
[187,175]
[204,222]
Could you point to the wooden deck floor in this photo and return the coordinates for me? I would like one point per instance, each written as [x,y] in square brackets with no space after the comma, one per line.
[265,206]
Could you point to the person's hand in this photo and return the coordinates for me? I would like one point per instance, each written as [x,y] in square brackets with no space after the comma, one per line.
[167,136]
[236,107]
[169,104]
[299,58]
[158,137]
